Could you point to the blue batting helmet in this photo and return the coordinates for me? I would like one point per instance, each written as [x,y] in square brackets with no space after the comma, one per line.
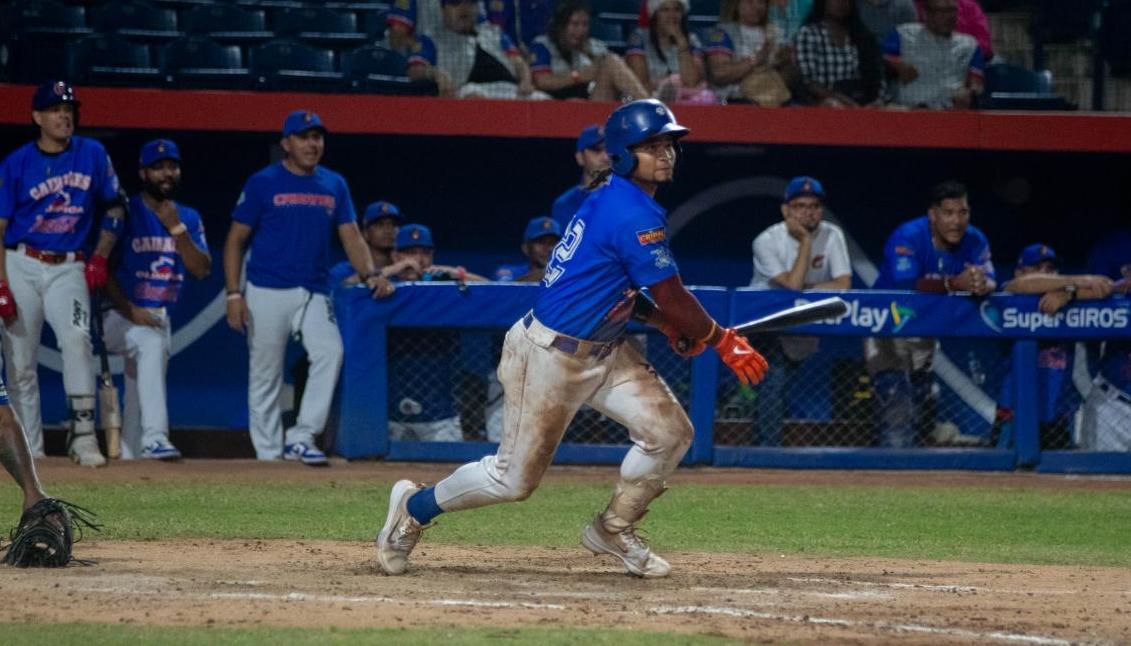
[633,123]
[53,93]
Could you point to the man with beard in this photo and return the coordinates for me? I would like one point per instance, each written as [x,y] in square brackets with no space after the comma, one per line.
[939,253]
[594,161]
[542,233]
[379,226]
[162,239]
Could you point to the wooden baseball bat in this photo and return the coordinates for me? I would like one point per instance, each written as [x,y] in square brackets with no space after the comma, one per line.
[109,409]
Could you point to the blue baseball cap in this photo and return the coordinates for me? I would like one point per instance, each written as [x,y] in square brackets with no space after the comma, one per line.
[591,137]
[52,93]
[156,150]
[414,235]
[1035,254]
[803,185]
[382,209]
[300,121]
[542,226]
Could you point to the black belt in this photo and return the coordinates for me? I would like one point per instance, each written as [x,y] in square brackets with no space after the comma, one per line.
[1118,393]
[572,346]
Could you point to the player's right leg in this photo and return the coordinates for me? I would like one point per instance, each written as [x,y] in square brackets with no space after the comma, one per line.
[270,313]
[148,348]
[661,433]
[543,388]
[323,343]
[21,344]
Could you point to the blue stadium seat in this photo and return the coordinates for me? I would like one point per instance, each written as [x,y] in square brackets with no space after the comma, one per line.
[379,70]
[229,24]
[610,33]
[289,65]
[197,62]
[109,59]
[320,26]
[35,33]
[138,21]
[1009,87]
[704,13]
[373,23]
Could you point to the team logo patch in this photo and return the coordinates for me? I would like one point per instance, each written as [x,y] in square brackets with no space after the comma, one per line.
[662,258]
[904,251]
[902,264]
[651,236]
[817,262]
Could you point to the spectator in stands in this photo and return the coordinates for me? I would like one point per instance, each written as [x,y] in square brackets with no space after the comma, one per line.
[800,252]
[593,160]
[667,57]
[940,253]
[1107,410]
[568,64]
[1038,272]
[400,28]
[839,59]
[466,59]
[379,228]
[882,16]
[748,58]
[421,362]
[935,67]
[972,21]
[542,233]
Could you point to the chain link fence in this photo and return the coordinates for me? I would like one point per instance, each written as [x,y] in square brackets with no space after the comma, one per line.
[830,391]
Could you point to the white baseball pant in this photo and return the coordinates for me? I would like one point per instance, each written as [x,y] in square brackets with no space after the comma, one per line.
[544,388]
[274,316]
[57,294]
[1106,424]
[145,413]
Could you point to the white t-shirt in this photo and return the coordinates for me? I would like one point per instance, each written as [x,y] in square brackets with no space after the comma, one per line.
[775,251]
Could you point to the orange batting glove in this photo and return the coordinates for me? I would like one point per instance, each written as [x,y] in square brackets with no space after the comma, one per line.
[744,360]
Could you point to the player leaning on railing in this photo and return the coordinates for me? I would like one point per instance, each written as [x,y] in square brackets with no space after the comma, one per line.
[568,351]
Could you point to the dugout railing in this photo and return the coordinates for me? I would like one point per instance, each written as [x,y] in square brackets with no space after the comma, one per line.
[1005,391]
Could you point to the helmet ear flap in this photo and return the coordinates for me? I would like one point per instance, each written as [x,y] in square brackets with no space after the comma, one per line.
[623,162]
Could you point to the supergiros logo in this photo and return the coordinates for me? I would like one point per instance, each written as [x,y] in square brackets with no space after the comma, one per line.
[1077,318]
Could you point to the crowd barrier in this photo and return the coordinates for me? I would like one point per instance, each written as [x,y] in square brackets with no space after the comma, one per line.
[429,353]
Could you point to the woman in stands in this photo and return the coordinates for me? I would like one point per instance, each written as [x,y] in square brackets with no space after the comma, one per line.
[667,57]
[748,58]
[568,64]
[839,58]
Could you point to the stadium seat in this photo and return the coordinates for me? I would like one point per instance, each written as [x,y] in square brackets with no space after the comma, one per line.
[1009,87]
[610,33]
[110,59]
[196,62]
[229,24]
[320,26]
[376,69]
[373,23]
[137,20]
[36,35]
[622,11]
[704,13]
[289,65]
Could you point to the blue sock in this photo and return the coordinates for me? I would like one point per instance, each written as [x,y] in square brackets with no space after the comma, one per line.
[422,506]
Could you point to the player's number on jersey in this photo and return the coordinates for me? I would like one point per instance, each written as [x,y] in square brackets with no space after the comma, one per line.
[563,251]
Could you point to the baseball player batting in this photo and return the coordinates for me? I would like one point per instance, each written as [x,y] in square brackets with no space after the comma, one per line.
[568,351]
[50,192]
[288,211]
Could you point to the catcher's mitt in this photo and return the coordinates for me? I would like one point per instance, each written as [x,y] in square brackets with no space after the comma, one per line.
[44,535]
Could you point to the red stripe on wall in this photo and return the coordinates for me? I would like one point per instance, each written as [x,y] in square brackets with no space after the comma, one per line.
[154,109]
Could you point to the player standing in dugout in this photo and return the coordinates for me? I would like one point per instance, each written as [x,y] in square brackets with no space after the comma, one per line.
[569,351]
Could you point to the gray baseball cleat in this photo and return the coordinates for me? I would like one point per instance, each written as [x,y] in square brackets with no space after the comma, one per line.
[401,531]
[637,557]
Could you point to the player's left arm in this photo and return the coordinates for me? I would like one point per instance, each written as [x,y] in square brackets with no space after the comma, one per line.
[358,254]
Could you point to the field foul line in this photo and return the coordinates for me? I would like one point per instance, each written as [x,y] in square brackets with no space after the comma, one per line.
[328,598]
[927,586]
[809,593]
[850,623]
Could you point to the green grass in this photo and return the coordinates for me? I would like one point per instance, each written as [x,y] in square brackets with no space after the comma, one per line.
[967,524]
[95,634]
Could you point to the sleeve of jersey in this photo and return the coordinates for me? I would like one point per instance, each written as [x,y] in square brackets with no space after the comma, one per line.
[542,60]
[344,212]
[248,206]
[196,229]
[839,263]
[901,262]
[719,42]
[642,246]
[109,189]
[977,64]
[507,45]
[766,262]
[892,46]
[7,191]
[635,45]
[424,53]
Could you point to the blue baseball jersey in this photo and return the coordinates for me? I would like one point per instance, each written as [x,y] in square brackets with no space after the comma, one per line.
[1056,398]
[910,255]
[567,204]
[292,218]
[339,273]
[1111,257]
[50,200]
[616,242]
[510,273]
[152,272]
